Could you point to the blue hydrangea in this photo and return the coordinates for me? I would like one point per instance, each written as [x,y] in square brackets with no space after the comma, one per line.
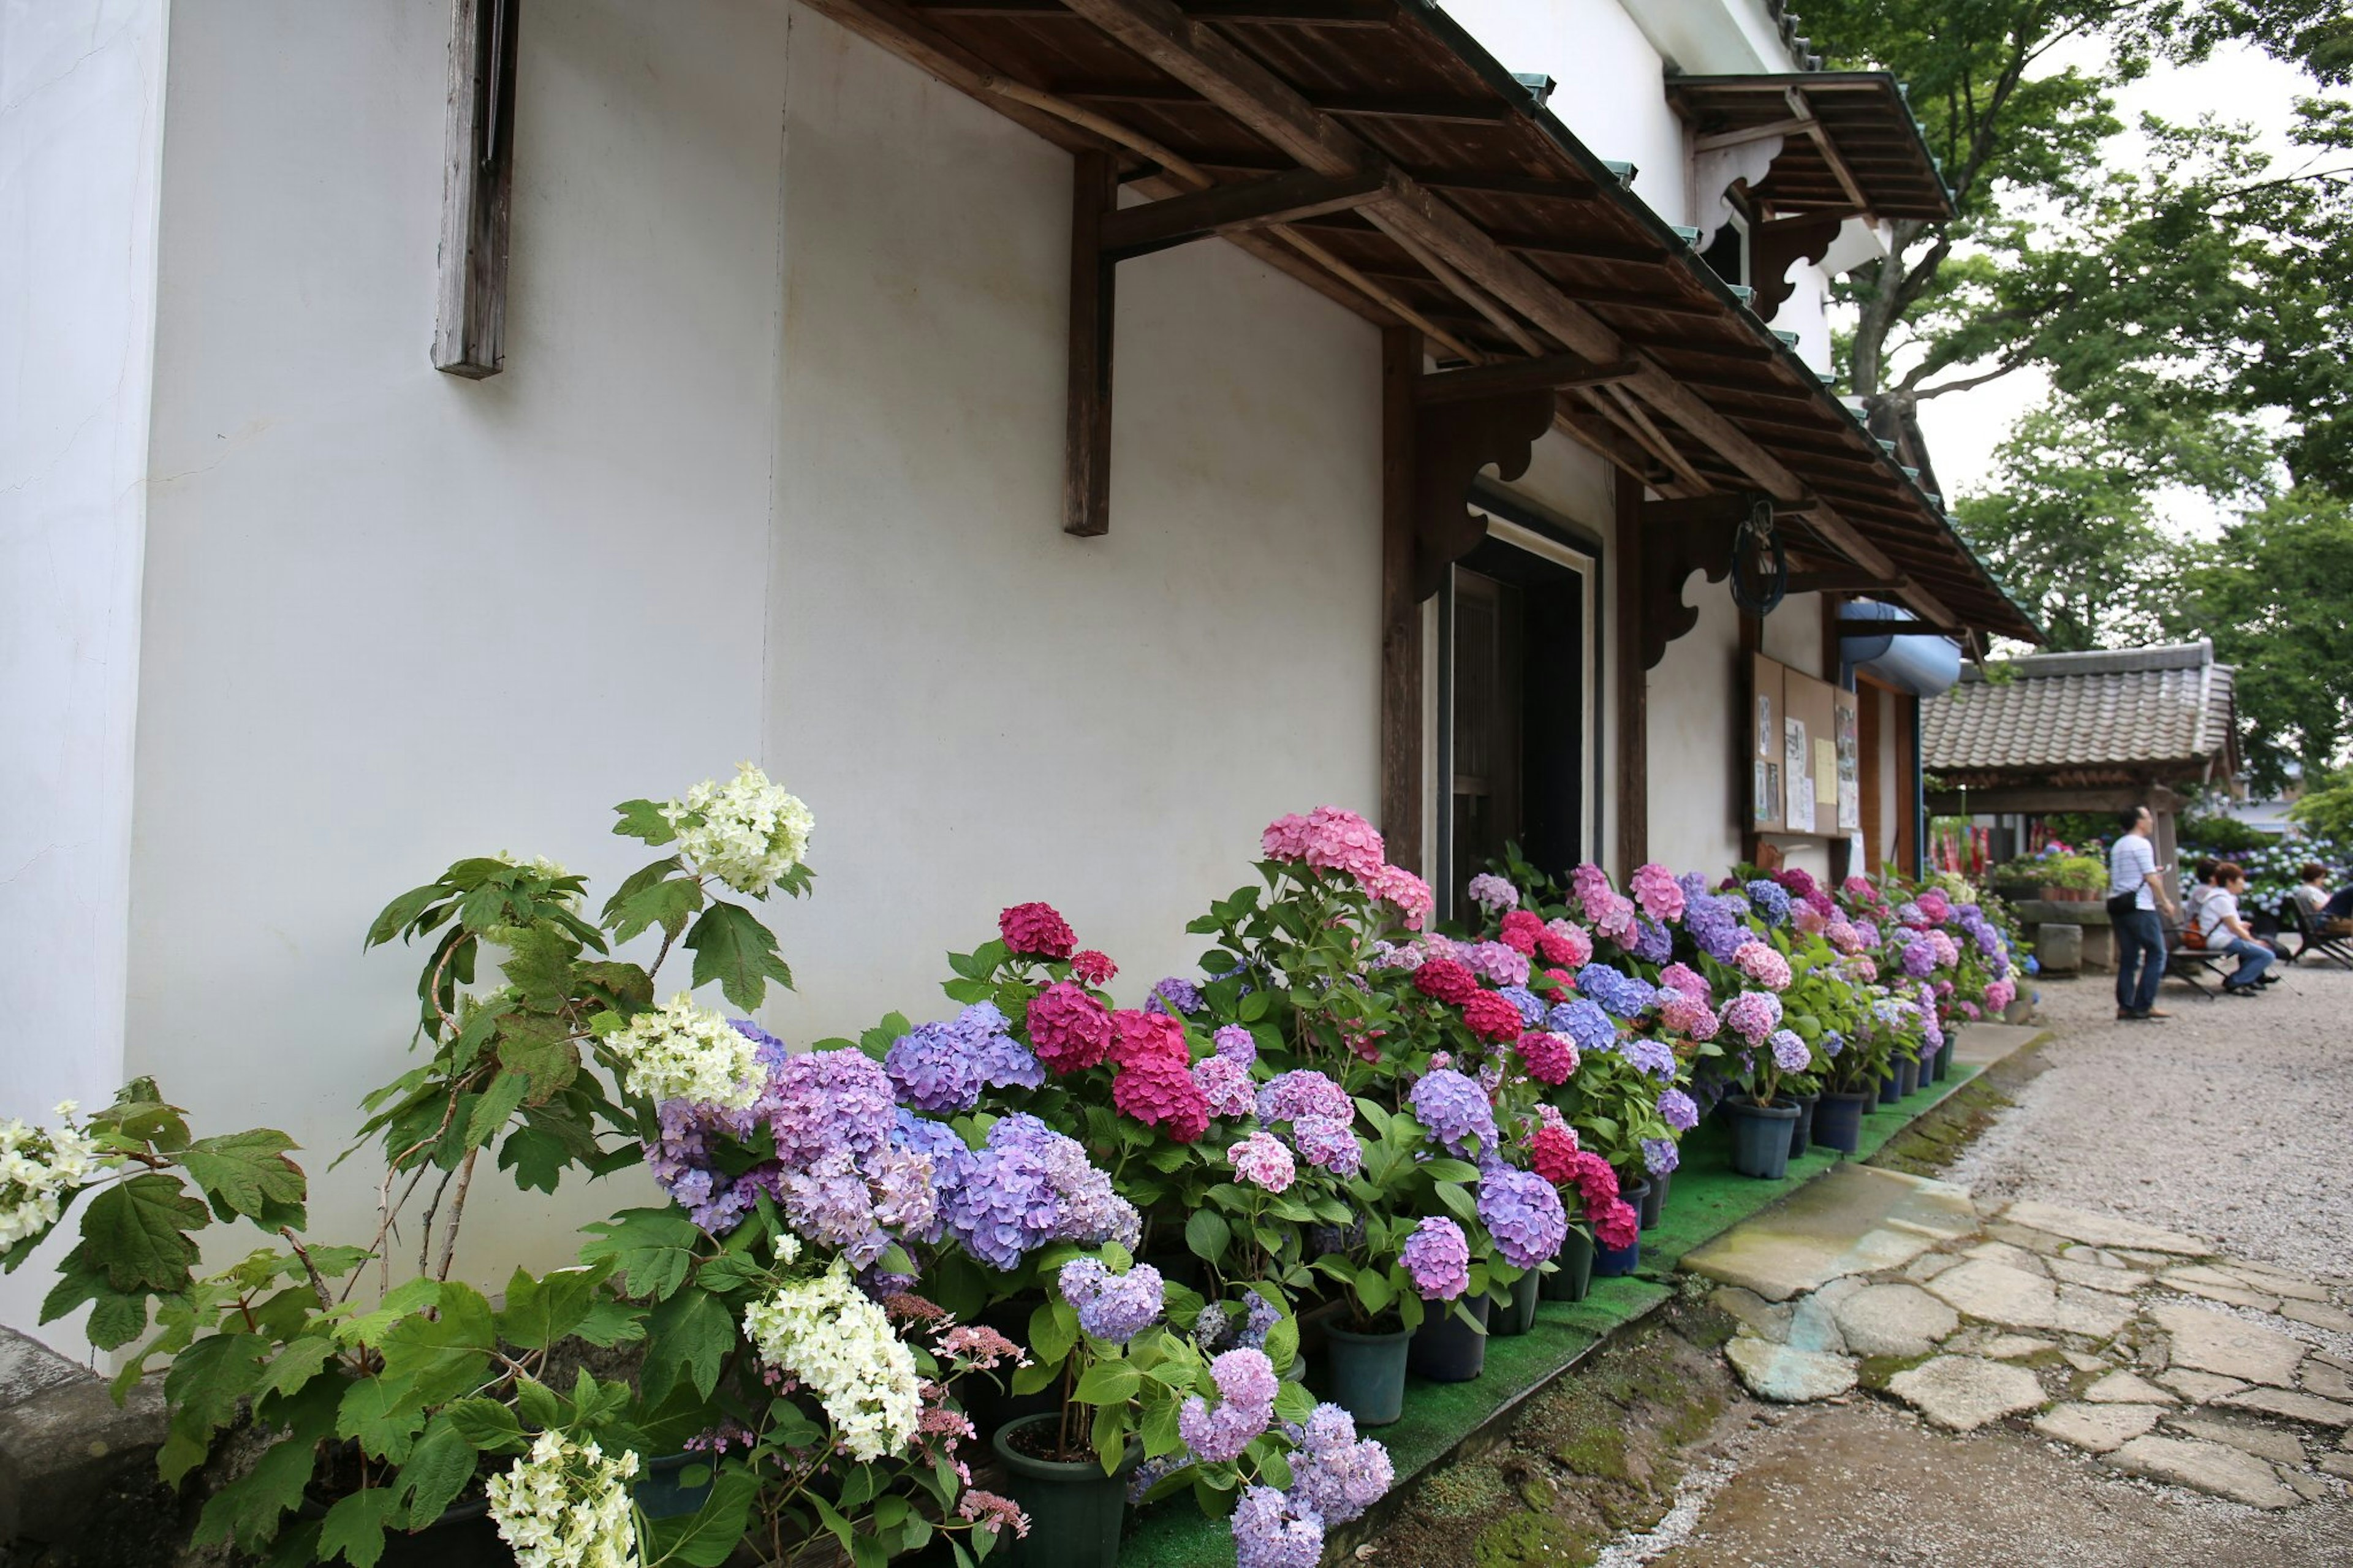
[1715,924]
[1531,1010]
[1677,1110]
[1584,1022]
[1523,1213]
[943,1067]
[1455,1111]
[1653,1056]
[1620,993]
[1769,900]
[1659,1155]
[1652,944]
[1113,1307]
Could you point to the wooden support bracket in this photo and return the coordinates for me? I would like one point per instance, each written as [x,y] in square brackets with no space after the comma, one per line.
[1679,538]
[1452,443]
[477,188]
[1230,210]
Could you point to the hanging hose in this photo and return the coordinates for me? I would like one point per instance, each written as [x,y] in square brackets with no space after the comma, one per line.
[1761,565]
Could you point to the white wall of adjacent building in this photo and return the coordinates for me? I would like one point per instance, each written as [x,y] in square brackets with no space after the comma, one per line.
[81,85]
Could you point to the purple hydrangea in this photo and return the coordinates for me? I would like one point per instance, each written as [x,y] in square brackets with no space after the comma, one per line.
[1029,1186]
[1617,993]
[1523,1213]
[1769,901]
[1677,1110]
[1437,1257]
[1246,1389]
[1832,1043]
[1113,1307]
[1493,893]
[1455,1111]
[1715,923]
[1584,1022]
[1225,1083]
[1328,1144]
[1753,1015]
[1272,1529]
[1303,1092]
[943,1067]
[1919,958]
[1652,942]
[1333,1472]
[1790,1053]
[1236,1043]
[1531,1009]
[1651,1055]
[1495,962]
[1175,996]
[1659,1155]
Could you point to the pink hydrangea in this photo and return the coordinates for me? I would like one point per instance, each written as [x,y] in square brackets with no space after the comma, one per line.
[1497,964]
[1617,1225]
[1550,1058]
[1035,930]
[1810,920]
[1404,892]
[1753,1015]
[1136,1035]
[1682,1014]
[1935,907]
[1225,1085]
[1262,1161]
[1570,947]
[1947,950]
[1842,935]
[1552,1154]
[1437,1257]
[1656,889]
[1492,1017]
[1091,967]
[1682,977]
[1328,839]
[1763,964]
[1160,1092]
[2001,994]
[1522,930]
[1069,1030]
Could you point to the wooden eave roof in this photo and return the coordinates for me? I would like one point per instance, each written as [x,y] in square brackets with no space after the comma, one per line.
[1499,236]
[1845,134]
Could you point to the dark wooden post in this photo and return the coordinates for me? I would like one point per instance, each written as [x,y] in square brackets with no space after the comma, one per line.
[1086,483]
[477,189]
[1634,685]
[1401,650]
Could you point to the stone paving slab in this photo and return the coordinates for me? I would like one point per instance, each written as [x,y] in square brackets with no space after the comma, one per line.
[2097,1428]
[1855,1220]
[2207,1467]
[1962,1393]
[1982,1044]
[2208,1341]
[2102,1230]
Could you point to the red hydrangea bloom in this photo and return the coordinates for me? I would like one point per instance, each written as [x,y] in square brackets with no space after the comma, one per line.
[1069,1030]
[1035,930]
[1094,968]
[1445,980]
[1571,947]
[1523,931]
[1596,1183]
[1159,1091]
[1491,1017]
[1617,1225]
[1136,1035]
[1552,1154]
[1550,1058]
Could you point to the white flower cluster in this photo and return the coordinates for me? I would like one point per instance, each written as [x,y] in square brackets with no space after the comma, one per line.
[680,1051]
[565,1505]
[38,1167]
[538,865]
[826,1333]
[747,831]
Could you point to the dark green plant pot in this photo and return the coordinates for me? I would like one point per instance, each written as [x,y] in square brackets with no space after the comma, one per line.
[1520,1315]
[1801,1133]
[1076,1512]
[1837,1121]
[1760,1138]
[1572,1274]
[1610,1262]
[1945,1060]
[661,1495]
[1907,1077]
[1365,1374]
[1446,1349]
[1655,1202]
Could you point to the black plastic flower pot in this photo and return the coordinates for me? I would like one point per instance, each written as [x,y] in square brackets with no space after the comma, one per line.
[1614,1262]
[663,1492]
[1655,1202]
[1945,1060]
[1572,1274]
[1891,1088]
[1365,1374]
[1445,1348]
[1801,1133]
[1908,1076]
[1518,1316]
[1837,1121]
[1760,1138]
[1076,1512]
[465,1536]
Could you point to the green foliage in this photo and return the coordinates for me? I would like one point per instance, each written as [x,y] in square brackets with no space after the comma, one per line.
[2325,809]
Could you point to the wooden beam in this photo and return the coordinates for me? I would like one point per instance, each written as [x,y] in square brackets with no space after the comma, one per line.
[2032,800]
[1557,372]
[1228,209]
[1835,580]
[1633,683]
[1828,149]
[1437,108]
[1294,12]
[1747,133]
[1401,617]
[477,188]
[1086,467]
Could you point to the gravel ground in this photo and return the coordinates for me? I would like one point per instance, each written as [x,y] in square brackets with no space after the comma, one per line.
[2228,1121]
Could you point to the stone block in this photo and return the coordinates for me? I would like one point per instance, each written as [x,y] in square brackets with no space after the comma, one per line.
[59,1449]
[1962,1393]
[28,1367]
[2097,1428]
[2059,947]
[2205,1467]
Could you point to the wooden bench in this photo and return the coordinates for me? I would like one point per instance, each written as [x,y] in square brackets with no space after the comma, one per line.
[2195,966]
[2311,936]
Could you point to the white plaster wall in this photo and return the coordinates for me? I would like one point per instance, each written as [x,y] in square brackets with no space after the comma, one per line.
[393,616]
[1697,791]
[980,708]
[81,99]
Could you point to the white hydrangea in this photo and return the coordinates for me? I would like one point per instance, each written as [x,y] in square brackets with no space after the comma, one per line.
[538,865]
[565,1505]
[39,1168]
[680,1051]
[836,1343]
[747,831]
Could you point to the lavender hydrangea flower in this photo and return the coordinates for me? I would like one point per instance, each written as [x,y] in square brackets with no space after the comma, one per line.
[1919,958]
[1617,993]
[943,1067]
[1715,923]
[1175,996]
[1246,1389]
[1333,1472]
[1493,893]
[1225,1083]
[1303,1092]
[1236,1043]
[1523,1213]
[1455,1111]
[1328,1144]
[1769,901]
[1790,1053]
[1584,1022]
[1437,1257]
[1655,1057]
[1113,1307]
[1833,1042]
[1653,943]
[1495,962]
[1659,1155]
[1677,1110]
[1272,1529]
[1029,1186]
[1532,1008]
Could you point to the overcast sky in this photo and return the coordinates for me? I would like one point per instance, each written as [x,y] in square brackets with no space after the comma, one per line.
[2242,85]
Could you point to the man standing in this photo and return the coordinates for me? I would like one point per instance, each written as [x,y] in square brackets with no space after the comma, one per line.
[2134,897]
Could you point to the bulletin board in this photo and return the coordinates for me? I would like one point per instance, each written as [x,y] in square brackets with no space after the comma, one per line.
[1802,741]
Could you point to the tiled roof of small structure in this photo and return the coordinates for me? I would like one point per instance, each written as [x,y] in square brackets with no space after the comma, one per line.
[2115,709]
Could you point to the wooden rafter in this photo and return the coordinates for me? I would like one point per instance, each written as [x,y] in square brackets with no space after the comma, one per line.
[477,189]
[1553,372]
[1828,148]
[1230,210]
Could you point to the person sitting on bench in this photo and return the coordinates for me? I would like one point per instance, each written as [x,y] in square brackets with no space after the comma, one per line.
[2201,887]
[2225,932]
[2313,893]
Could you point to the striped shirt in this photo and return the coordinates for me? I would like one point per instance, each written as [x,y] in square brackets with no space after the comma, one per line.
[2132,861]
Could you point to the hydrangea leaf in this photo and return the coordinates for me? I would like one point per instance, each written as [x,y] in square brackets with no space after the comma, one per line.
[541,1311]
[692,1331]
[539,1047]
[656,896]
[137,1232]
[652,1249]
[643,819]
[1207,1235]
[731,946]
[710,1535]
[353,1529]
[435,1471]
[248,1174]
[248,1510]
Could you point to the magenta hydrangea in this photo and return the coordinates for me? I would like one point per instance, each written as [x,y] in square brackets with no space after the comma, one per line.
[1576,947]
[1437,1258]
[1550,1059]
[1496,962]
[1069,1030]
